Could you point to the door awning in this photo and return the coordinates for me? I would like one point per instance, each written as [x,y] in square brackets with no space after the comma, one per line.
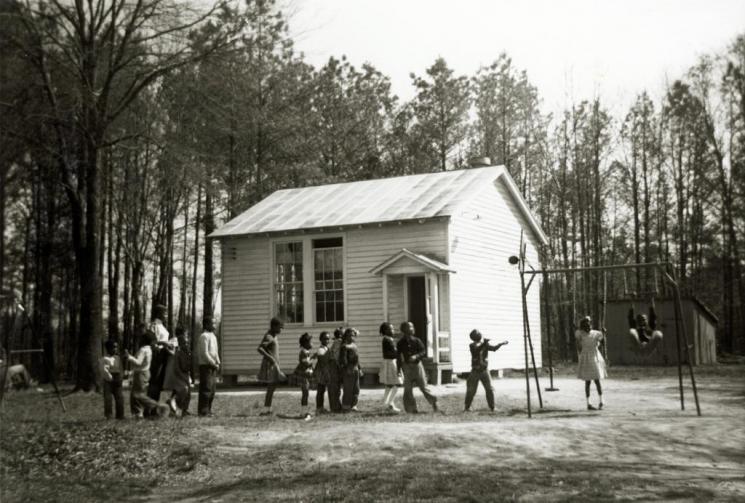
[408,262]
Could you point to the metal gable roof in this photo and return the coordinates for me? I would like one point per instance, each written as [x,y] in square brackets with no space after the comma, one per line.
[413,197]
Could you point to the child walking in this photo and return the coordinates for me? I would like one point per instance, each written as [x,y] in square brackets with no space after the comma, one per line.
[390,375]
[178,375]
[112,371]
[322,371]
[269,372]
[208,357]
[335,376]
[591,363]
[480,348]
[140,402]
[349,365]
[303,373]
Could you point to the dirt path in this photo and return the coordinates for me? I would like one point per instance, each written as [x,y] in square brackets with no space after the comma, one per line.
[641,447]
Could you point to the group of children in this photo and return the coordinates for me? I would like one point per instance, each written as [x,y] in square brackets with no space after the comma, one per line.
[336,368]
[161,363]
[165,363]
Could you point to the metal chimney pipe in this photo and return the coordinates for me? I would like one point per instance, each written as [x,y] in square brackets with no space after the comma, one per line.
[479,162]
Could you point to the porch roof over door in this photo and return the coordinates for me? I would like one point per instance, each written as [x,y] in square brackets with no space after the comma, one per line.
[406,262]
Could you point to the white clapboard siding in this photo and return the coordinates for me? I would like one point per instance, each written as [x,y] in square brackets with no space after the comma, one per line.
[247,303]
[369,247]
[485,291]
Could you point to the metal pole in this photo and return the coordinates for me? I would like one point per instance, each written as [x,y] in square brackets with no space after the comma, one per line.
[678,323]
[679,309]
[526,317]
[547,309]
[525,338]
[597,268]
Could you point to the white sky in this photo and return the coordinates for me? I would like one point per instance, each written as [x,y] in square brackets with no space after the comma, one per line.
[572,50]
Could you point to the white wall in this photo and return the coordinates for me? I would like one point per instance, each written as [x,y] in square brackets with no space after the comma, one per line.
[246,298]
[485,291]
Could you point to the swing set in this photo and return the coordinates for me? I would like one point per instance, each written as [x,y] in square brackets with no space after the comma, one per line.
[639,326]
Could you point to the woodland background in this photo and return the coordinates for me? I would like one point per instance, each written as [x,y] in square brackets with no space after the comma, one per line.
[130,129]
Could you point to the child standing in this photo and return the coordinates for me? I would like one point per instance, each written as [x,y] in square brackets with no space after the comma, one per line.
[139,399]
[591,365]
[322,371]
[335,376]
[480,348]
[208,358]
[303,373]
[111,370]
[178,375]
[390,375]
[269,372]
[349,365]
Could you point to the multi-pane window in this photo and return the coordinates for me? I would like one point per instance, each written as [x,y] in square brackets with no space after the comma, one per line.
[288,281]
[328,270]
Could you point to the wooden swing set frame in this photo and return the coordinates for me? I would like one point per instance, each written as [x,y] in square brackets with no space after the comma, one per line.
[667,272]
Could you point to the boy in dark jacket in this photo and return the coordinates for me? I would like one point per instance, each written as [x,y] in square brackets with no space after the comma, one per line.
[480,348]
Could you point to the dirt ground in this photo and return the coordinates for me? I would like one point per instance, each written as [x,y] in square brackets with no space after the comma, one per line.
[641,447]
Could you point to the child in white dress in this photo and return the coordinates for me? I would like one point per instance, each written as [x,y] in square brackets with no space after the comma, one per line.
[591,363]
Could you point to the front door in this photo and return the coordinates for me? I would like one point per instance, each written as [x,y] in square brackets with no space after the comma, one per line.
[417,312]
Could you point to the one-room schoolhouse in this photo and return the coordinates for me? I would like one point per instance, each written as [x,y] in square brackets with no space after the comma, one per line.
[429,248]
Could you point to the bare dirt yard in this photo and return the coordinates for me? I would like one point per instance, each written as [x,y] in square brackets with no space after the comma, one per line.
[641,447]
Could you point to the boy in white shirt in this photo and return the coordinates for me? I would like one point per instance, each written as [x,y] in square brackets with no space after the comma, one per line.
[111,370]
[208,359]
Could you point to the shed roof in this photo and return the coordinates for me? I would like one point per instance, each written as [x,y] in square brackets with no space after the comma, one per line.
[413,197]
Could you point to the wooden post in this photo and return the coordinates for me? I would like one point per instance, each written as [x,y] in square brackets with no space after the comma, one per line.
[547,309]
[526,328]
[525,339]
[678,323]
[679,315]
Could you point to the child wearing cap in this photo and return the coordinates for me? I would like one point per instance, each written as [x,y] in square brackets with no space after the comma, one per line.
[480,348]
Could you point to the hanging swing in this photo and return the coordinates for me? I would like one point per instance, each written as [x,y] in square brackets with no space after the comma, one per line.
[644,338]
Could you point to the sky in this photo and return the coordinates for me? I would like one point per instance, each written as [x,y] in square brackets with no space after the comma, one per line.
[571,50]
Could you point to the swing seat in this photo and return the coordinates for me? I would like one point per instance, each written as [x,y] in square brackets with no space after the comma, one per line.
[644,347]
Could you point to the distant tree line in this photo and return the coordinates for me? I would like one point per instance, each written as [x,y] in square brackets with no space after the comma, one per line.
[131,129]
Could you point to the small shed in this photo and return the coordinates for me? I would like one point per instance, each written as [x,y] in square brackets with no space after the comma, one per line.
[430,248]
[700,325]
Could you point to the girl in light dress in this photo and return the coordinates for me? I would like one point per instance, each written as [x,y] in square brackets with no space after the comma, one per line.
[390,375]
[591,366]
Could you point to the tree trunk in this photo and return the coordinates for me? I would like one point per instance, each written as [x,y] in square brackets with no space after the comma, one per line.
[209,227]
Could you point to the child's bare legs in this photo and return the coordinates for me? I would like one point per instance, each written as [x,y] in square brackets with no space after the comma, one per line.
[390,394]
[305,389]
[599,389]
[268,399]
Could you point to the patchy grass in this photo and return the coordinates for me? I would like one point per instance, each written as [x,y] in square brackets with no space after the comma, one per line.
[641,448]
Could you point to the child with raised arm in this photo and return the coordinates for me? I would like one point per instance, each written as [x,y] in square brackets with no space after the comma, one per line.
[591,364]
[303,373]
[322,371]
[112,372]
[480,348]
[390,374]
